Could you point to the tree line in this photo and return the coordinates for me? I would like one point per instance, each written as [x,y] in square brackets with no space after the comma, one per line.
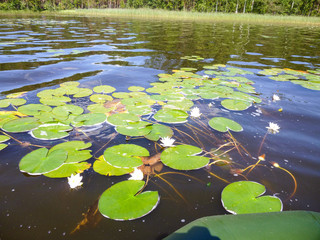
[284,7]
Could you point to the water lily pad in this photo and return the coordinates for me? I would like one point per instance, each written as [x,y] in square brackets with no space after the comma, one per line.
[55,101]
[16,95]
[67,169]
[120,95]
[100,98]
[158,131]
[39,161]
[102,167]
[136,89]
[75,149]
[182,157]
[70,84]
[83,92]
[171,116]
[235,105]
[222,124]
[134,129]
[4,138]
[34,109]
[104,89]
[3,146]
[244,197]
[125,155]
[89,119]
[51,131]
[68,90]
[122,119]
[121,201]
[21,125]
[12,101]
[98,108]
[65,110]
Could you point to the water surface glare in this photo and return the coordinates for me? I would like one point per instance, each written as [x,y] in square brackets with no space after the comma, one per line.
[42,52]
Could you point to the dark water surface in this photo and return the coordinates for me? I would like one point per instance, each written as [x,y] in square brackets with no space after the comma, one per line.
[40,53]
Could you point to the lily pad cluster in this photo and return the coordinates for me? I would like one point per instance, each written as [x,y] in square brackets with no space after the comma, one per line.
[308,79]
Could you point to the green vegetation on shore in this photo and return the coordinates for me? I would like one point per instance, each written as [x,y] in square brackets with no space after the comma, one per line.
[275,7]
[158,14]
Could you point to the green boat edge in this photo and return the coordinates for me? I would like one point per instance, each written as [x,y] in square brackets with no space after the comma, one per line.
[293,225]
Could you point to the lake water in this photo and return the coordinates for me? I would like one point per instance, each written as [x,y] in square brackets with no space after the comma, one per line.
[42,52]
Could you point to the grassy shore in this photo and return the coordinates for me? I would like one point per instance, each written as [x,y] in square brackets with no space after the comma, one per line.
[157,14]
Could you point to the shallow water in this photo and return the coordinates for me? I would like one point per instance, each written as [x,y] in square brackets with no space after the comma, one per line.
[42,52]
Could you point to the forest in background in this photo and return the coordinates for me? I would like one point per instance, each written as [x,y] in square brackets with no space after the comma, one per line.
[279,7]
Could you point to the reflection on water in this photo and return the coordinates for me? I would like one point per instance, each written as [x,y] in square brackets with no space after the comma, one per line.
[40,53]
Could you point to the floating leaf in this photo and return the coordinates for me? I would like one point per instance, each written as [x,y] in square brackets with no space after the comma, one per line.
[171,116]
[4,138]
[3,146]
[67,169]
[55,101]
[104,89]
[83,92]
[182,157]
[75,150]
[12,101]
[122,119]
[51,131]
[67,109]
[125,155]
[89,119]
[39,161]
[34,109]
[98,108]
[222,124]
[235,105]
[136,89]
[69,84]
[100,98]
[21,125]
[134,129]
[158,131]
[244,197]
[16,95]
[121,201]
[102,167]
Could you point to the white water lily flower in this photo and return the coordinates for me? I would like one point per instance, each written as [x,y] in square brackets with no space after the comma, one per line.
[137,174]
[205,76]
[75,180]
[210,105]
[195,112]
[275,98]
[167,142]
[273,127]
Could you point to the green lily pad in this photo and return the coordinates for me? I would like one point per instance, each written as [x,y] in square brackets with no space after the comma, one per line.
[104,89]
[222,124]
[68,90]
[235,105]
[125,155]
[39,161]
[6,117]
[102,167]
[134,129]
[3,146]
[70,84]
[122,119]
[89,119]
[158,131]
[67,169]
[121,201]
[98,108]
[34,109]
[4,138]
[182,157]
[12,101]
[21,125]
[55,101]
[51,131]
[100,98]
[75,150]
[65,110]
[244,197]
[120,95]
[83,92]
[136,89]
[283,78]
[171,116]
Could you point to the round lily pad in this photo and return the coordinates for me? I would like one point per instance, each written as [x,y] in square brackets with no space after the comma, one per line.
[222,124]
[171,116]
[83,92]
[244,197]
[97,108]
[39,161]
[21,125]
[4,138]
[67,169]
[158,131]
[67,109]
[121,119]
[89,119]
[34,109]
[12,101]
[3,146]
[125,155]
[182,157]
[136,89]
[104,89]
[100,98]
[75,149]
[102,167]
[121,201]
[134,129]
[55,101]
[235,105]
[51,131]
